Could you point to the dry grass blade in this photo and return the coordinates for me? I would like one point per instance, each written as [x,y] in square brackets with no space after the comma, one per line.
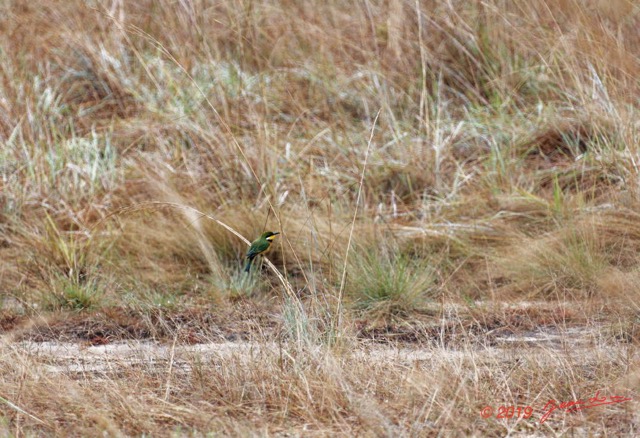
[353,224]
[22,411]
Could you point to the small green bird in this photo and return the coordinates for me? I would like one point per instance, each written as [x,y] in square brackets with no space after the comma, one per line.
[259,246]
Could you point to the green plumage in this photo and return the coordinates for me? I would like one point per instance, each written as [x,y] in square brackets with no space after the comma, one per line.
[259,246]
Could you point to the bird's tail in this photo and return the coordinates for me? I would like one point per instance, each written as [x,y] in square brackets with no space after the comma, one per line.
[247,267]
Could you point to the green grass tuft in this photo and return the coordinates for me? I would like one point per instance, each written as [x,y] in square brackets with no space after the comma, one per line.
[390,284]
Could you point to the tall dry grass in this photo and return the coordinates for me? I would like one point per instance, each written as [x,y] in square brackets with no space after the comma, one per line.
[413,155]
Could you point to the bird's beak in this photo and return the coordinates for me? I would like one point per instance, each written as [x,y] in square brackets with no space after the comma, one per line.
[273,236]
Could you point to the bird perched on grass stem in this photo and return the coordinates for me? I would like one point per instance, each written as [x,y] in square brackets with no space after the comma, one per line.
[259,246]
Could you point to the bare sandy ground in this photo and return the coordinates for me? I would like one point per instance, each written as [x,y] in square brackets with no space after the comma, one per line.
[84,360]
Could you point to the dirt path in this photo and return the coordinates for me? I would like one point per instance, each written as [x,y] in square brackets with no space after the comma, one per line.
[77,358]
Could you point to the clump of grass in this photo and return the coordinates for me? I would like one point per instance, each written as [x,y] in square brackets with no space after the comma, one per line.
[239,284]
[74,295]
[67,264]
[149,299]
[390,284]
[570,263]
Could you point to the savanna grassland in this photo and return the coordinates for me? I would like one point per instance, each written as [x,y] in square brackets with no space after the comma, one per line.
[456,185]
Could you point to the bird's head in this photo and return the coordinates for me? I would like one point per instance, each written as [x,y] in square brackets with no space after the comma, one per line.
[269,235]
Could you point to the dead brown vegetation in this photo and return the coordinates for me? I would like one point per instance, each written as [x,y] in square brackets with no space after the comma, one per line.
[450,177]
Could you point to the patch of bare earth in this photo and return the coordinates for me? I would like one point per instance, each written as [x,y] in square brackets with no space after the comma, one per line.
[393,378]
